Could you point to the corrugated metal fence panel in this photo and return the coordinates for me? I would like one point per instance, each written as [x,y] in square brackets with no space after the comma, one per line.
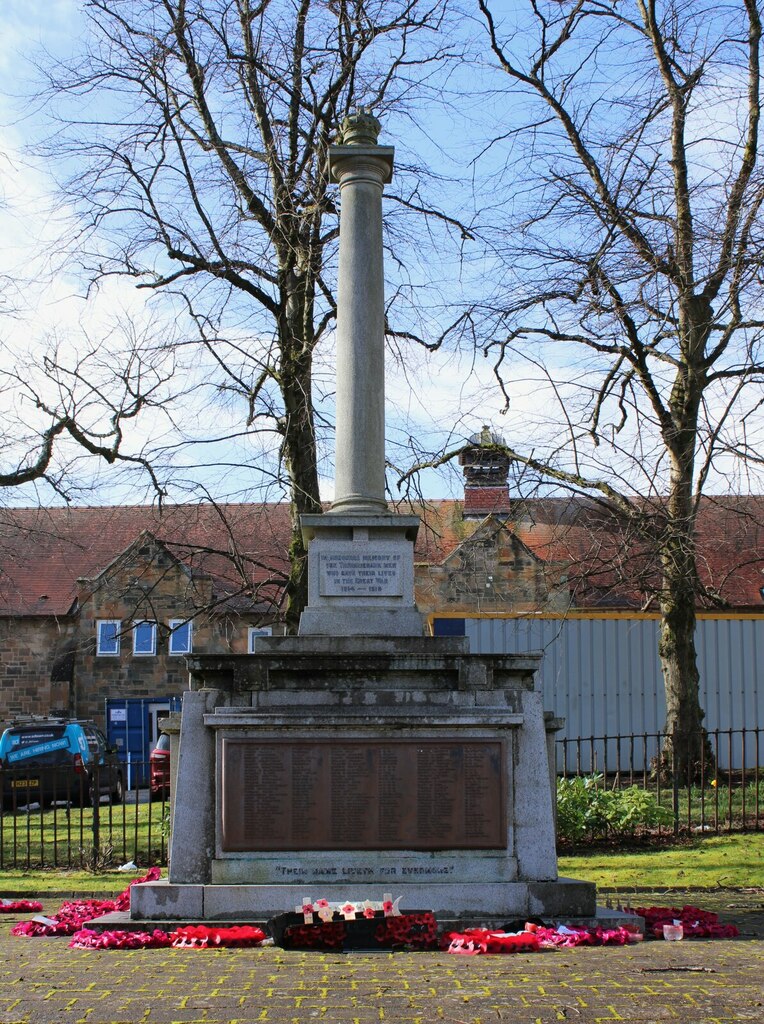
[603,675]
[729,655]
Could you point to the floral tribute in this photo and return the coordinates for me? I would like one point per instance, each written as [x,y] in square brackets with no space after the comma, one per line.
[188,937]
[404,931]
[533,938]
[73,915]
[86,938]
[327,911]
[696,923]
[566,938]
[321,924]
[19,906]
[199,936]
[482,940]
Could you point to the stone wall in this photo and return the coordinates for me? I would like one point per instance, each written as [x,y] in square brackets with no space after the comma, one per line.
[147,583]
[27,650]
[491,571]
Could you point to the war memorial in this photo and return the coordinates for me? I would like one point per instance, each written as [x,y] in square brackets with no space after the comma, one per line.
[361,758]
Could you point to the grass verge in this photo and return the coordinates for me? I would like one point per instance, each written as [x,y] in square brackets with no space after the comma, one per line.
[735,861]
[44,882]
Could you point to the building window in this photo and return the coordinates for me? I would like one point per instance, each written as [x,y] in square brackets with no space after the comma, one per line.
[144,638]
[107,637]
[180,636]
[256,631]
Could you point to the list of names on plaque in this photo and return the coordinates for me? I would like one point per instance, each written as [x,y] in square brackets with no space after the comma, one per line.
[396,794]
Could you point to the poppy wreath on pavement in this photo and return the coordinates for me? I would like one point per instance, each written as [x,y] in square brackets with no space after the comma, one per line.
[20,907]
[86,938]
[199,936]
[73,915]
[481,940]
[326,935]
[410,931]
[696,923]
[415,931]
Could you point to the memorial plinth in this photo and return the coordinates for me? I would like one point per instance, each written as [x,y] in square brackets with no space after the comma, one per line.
[360,575]
[351,767]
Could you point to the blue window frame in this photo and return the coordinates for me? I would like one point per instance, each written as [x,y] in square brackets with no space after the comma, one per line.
[181,636]
[254,632]
[107,637]
[144,638]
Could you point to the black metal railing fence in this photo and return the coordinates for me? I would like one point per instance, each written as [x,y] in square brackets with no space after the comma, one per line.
[56,821]
[723,791]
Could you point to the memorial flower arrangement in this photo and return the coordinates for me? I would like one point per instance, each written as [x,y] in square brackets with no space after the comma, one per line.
[534,938]
[19,906]
[324,924]
[321,924]
[74,914]
[696,923]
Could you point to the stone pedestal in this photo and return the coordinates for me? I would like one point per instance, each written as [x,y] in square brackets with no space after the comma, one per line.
[360,576]
[349,768]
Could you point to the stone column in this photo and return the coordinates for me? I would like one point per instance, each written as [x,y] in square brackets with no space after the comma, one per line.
[360,555]
[361,167]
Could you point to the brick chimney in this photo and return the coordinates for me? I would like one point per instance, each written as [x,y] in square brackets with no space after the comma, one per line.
[485,465]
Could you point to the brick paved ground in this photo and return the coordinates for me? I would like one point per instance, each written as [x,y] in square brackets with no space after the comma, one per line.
[42,981]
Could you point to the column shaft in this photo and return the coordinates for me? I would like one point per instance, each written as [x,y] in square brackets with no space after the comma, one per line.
[360,439]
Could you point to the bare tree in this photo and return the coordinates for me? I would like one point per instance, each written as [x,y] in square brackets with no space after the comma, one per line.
[62,406]
[629,264]
[204,127]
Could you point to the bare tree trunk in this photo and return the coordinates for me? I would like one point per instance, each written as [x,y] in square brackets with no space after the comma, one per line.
[686,747]
[299,436]
[686,742]
[299,449]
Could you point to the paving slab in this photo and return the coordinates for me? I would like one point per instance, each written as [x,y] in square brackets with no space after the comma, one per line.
[691,982]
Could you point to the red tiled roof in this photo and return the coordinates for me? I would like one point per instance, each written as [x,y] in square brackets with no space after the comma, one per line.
[44,551]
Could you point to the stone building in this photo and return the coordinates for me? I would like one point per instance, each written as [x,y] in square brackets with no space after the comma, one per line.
[106,602]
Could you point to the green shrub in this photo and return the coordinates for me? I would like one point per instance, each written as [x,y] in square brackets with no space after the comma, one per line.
[586,810]
[634,809]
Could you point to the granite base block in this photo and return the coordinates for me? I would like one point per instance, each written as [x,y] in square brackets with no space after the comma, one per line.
[163,901]
[372,622]
[465,902]
[566,897]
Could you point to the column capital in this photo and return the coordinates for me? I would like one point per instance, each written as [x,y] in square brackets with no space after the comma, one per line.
[347,159]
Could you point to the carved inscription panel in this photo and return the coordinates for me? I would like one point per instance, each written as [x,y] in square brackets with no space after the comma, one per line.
[388,795]
[361,574]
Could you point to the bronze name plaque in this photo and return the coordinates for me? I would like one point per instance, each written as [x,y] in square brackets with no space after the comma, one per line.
[353,795]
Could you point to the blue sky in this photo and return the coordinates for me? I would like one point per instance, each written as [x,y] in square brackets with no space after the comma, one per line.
[436,399]
[429,398]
